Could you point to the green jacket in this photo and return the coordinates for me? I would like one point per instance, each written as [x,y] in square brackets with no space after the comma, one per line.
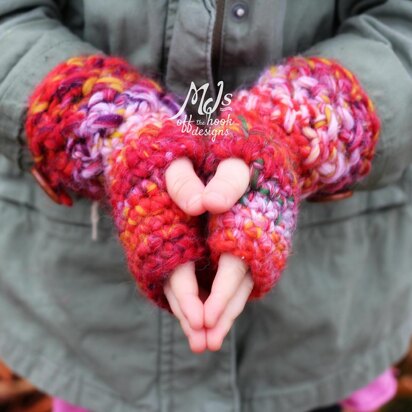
[71,319]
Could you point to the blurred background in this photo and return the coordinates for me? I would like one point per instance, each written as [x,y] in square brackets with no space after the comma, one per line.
[18,395]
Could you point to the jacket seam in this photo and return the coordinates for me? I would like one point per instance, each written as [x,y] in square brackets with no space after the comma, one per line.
[168,33]
[366,212]
[208,47]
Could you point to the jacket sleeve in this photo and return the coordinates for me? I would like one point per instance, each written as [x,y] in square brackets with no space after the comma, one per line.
[32,41]
[374,41]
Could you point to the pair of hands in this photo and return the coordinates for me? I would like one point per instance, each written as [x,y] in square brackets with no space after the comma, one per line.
[206,320]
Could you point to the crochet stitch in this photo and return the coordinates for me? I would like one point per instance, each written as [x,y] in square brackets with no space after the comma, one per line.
[305,127]
[99,128]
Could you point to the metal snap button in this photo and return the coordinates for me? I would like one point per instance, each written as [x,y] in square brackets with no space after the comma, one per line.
[240,11]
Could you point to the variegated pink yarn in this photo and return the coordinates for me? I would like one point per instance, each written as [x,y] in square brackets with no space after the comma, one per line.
[99,128]
[306,126]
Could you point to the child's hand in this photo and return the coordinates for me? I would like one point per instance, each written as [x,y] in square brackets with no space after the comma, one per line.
[206,325]
[225,188]
[230,291]
[183,294]
[233,282]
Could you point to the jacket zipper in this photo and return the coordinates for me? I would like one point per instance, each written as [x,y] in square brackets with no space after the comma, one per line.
[217,39]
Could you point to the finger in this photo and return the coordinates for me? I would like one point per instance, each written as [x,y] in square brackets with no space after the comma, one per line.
[227,185]
[216,335]
[197,338]
[230,274]
[184,186]
[184,285]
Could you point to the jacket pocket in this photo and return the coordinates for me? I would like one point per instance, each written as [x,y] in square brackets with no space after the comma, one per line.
[19,188]
[73,299]
[390,196]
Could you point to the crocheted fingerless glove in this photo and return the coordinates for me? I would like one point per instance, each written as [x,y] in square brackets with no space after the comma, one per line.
[97,127]
[305,127]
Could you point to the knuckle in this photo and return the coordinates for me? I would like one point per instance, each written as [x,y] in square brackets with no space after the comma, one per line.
[220,297]
[233,184]
[178,185]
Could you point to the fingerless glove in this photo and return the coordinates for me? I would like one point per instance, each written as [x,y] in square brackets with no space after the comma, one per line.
[305,127]
[98,128]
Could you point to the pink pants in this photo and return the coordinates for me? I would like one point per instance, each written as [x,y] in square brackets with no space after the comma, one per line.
[374,395]
[59,405]
[366,399]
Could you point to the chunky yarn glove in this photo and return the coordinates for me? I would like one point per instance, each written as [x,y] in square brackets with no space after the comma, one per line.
[97,127]
[305,127]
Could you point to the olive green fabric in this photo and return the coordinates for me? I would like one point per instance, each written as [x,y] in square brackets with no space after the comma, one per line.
[71,319]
